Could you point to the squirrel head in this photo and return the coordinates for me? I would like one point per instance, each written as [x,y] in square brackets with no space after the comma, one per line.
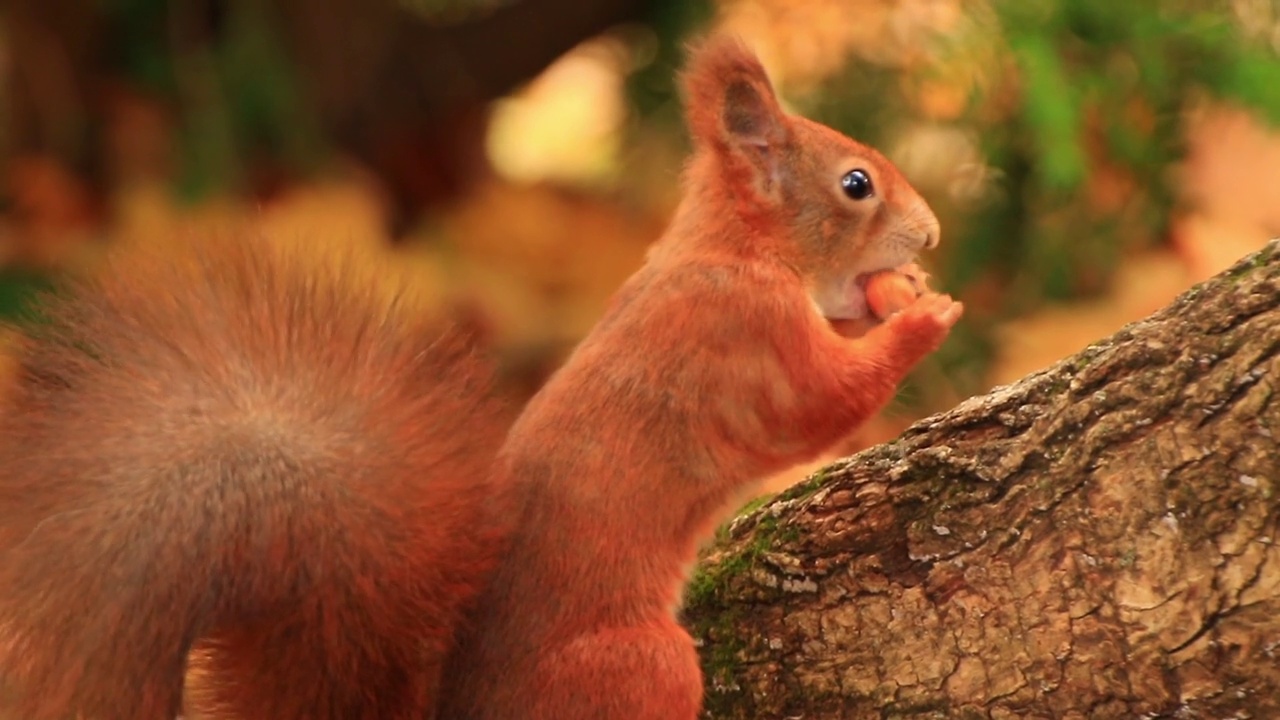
[831,207]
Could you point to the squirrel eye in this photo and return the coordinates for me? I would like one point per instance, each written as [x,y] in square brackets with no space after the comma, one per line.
[857,184]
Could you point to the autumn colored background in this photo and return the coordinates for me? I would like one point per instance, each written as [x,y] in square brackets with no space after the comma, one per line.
[1089,159]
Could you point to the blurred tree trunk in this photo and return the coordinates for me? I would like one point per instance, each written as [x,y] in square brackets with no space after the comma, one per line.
[383,83]
[1098,540]
[409,97]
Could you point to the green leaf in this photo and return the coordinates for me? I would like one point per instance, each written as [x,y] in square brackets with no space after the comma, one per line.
[1051,109]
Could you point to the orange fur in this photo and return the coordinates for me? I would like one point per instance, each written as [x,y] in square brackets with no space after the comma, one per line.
[716,365]
[233,448]
[268,464]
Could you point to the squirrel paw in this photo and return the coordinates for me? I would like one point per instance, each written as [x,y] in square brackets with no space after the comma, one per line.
[926,321]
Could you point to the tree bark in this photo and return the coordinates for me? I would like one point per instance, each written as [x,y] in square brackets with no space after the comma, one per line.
[1098,540]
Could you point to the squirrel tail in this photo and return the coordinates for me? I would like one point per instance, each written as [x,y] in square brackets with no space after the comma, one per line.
[263,460]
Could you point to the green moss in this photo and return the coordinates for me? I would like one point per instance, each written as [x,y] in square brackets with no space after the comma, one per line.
[720,661]
[714,620]
[1129,558]
[1248,265]
[770,532]
[754,505]
[716,626]
[1060,384]
[722,531]
[807,487]
[710,580]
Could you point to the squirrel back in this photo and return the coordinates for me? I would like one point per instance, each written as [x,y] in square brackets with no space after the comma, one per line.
[237,451]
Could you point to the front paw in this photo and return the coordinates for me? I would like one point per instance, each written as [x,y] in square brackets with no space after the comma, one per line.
[924,324]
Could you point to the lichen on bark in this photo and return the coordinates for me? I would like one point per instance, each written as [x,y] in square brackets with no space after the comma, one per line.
[1098,540]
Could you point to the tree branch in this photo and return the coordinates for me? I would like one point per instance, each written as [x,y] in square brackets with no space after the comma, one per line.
[1098,540]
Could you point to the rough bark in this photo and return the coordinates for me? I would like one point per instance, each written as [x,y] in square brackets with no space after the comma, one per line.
[1098,540]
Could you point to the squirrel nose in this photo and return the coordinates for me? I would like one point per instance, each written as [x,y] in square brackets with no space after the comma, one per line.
[931,238]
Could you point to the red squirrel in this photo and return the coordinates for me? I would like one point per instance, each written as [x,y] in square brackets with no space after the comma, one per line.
[265,462]
[716,365]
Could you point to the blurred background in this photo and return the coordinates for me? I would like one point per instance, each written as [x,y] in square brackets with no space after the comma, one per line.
[1088,159]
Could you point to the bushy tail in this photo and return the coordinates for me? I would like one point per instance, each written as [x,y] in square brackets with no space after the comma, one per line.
[237,450]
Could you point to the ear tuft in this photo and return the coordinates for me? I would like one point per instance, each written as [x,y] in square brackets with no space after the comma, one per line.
[729,100]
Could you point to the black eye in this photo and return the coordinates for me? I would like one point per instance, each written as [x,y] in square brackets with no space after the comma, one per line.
[857,185]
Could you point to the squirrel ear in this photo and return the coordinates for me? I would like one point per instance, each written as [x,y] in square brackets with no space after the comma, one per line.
[729,100]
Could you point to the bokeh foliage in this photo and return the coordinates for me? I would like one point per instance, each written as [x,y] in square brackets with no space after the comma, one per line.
[1079,110]
[1075,113]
